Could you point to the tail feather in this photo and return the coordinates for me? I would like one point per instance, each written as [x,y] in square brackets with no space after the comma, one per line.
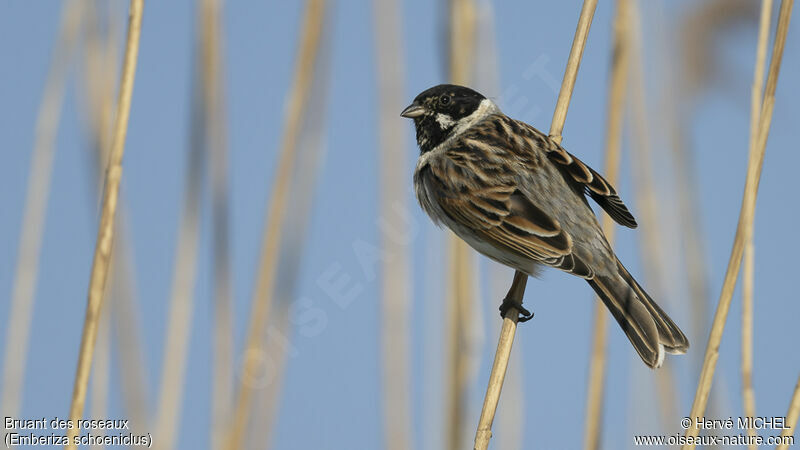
[669,334]
[648,327]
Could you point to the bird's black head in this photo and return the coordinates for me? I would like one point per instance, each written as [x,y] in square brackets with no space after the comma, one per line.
[439,110]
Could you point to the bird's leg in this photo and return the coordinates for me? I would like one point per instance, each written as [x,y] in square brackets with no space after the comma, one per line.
[513,300]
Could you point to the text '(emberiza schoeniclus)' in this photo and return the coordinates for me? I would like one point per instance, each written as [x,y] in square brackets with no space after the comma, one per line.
[518,197]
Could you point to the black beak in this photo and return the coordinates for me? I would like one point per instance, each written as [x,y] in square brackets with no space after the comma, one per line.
[413,110]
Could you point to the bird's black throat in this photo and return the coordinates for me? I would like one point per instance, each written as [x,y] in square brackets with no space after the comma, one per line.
[430,133]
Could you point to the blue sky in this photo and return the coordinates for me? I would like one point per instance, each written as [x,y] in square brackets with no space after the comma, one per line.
[332,389]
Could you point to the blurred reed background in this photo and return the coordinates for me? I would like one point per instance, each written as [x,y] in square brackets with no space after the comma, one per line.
[272,282]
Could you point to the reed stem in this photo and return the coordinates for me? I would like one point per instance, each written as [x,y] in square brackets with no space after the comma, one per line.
[755,162]
[618,88]
[184,278]
[791,417]
[101,75]
[461,52]
[214,126]
[748,394]
[396,277]
[273,225]
[648,205]
[105,233]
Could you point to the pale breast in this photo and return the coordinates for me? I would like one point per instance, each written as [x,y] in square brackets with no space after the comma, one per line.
[430,189]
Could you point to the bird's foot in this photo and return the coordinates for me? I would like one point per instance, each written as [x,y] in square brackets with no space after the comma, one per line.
[508,303]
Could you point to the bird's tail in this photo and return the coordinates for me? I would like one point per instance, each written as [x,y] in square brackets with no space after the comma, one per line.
[649,328]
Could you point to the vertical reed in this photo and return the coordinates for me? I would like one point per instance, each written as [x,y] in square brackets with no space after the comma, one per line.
[748,394]
[500,364]
[265,276]
[461,51]
[105,234]
[125,314]
[618,89]
[647,202]
[184,273]
[101,75]
[101,371]
[211,55]
[685,184]
[755,162]
[308,161]
[396,278]
[791,417]
[571,72]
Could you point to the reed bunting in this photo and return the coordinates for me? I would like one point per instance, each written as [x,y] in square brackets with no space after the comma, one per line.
[518,197]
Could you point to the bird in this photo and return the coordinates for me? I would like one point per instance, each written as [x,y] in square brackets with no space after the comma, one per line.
[516,196]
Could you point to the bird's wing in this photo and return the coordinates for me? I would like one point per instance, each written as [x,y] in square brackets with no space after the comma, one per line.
[498,213]
[586,178]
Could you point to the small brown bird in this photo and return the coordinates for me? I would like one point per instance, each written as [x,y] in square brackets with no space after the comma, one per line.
[516,196]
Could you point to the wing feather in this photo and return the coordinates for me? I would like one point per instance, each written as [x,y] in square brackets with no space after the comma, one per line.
[585,177]
[511,222]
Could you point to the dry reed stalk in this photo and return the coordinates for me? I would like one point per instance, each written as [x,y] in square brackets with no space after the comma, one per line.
[459,308]
[618,88]
[184,274]
[32,227]
[125,313]
[102,72]
[748,394]
[277,349]
[215,138]
[265,277]
[509,420]
[277,344]
[571,72]
[755,162]
[504,344]
[101,75]
[462,47]
[677,108]
[791,417]
[101,370]
[597,373]
[105,233]
[694,253]
[699,64]
[309,157]
[396,278]
[100,95]
[647,202]
[133,380]
[496,378]
[100,90]
[685,185]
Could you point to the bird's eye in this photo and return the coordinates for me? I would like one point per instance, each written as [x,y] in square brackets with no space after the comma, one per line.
[444,99]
